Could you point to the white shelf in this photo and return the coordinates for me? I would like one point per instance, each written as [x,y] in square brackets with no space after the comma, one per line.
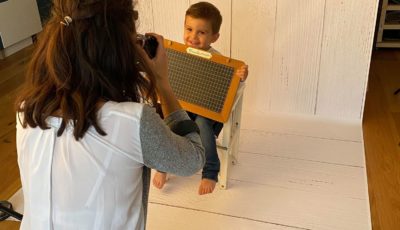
[393,7]
[384,25]
[391,27]
[388,44]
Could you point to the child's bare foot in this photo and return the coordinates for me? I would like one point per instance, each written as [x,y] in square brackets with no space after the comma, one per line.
[206,186]
[159,179]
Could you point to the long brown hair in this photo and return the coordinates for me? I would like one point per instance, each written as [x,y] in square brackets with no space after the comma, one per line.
[75,66]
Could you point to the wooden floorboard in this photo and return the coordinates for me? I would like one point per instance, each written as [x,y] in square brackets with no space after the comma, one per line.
[11,77]
[8,157]
[381,138]
[7,115]
[9,225]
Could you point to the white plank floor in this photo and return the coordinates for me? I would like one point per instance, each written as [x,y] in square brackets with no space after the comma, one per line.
[293,173]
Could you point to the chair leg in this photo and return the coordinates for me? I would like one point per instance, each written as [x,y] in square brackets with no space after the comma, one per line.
[223,172]
[235,141]
[228,157]
[235,149]
[228,152]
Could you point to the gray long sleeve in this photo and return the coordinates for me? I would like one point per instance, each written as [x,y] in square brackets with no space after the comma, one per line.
[165,151]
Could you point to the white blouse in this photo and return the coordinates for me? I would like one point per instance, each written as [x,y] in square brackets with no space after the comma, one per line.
[99,182]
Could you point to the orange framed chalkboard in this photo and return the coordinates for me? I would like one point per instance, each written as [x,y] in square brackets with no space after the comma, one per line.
[204,83]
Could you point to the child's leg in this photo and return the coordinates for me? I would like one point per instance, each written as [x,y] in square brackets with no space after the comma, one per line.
[159,179]
[212,165]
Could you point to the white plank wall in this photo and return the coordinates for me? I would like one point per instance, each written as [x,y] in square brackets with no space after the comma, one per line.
[145,22]
[253,32]
[345,60]
[169,17]
[297,44]
[305,57]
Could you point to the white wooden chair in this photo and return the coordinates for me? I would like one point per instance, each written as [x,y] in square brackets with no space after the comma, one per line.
[228,140]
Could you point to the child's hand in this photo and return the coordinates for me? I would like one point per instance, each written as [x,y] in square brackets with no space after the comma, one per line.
[242,72]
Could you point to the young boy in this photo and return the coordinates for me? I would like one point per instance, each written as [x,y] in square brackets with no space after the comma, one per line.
[201,29]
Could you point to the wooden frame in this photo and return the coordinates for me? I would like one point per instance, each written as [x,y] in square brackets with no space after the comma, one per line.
[229,99]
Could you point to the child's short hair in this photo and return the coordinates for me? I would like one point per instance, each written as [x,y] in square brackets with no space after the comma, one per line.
[206,10]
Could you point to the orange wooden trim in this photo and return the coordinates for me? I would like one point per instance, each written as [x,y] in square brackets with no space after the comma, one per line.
[223,116]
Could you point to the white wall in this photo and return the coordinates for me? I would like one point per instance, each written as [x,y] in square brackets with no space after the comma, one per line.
[19,19]
[308,57]
[345,57]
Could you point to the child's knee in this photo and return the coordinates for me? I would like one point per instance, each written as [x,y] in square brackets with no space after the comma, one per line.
[202,121]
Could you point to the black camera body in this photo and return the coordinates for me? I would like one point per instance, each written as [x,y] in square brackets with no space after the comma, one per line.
[149,44]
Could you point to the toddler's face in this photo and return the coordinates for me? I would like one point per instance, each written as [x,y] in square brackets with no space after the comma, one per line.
[198,33]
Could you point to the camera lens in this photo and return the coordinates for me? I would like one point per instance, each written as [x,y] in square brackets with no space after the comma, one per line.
[149,44]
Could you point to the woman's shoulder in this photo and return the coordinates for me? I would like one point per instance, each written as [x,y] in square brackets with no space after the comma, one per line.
[124,109]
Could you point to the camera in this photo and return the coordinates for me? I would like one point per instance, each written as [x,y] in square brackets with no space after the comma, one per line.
[149,44]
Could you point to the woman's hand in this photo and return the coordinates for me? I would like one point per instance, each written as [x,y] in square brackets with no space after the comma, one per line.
[159,68]
[160,60]
[159,64]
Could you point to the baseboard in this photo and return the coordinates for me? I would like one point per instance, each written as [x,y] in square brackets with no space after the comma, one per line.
[15,48]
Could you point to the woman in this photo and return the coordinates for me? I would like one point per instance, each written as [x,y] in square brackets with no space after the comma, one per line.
[84,139]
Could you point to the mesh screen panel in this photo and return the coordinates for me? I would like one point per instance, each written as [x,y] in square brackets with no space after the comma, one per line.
[199,81]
